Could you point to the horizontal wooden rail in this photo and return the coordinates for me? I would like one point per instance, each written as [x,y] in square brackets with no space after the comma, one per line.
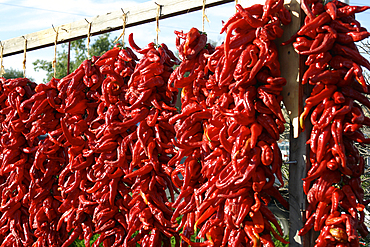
[138,14]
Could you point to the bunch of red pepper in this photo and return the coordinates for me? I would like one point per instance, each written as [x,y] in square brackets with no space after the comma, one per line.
[115,182]
[14,161]
[333,183]
[228,129]
[116,147]
[150,148]
[102,166]
[89,183]
[191,76]
[48,160]
[28,166]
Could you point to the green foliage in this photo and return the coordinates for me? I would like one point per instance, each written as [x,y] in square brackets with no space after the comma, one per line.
[101,45]
[14,73]
[80,243]
[78,55]
[277,243]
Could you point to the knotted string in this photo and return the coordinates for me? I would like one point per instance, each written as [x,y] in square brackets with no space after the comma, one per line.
[24,56]
[55,51]
[2,70]
[204,16]
[157,21]
[88,38]
[124,17]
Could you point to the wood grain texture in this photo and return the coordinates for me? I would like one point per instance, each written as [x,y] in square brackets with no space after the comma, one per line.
[293,97]
[290,67]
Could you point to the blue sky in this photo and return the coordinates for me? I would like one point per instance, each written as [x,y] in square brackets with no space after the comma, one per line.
[18,18]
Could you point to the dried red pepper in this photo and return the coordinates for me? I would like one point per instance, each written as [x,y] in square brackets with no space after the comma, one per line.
[231,114]
[336,119]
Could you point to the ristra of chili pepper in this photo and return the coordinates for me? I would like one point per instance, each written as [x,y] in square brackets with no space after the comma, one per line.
[42,205]
[110,94]
[153,142]
[14,162]
[191,99]
[335,158]
[232,125]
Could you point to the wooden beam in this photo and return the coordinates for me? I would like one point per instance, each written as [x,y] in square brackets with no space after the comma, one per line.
[137,15]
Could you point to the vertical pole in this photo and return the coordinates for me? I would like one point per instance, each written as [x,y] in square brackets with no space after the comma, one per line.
[55,51]
[293,94]
[296,196]
[157,21]
[69,57]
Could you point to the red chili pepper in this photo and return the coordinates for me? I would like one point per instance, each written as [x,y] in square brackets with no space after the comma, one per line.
[331,9]
[351,54]
[326,43]
[315,100]
[315,23]
[307,10]
[252,21]
[351,10]
[308,225]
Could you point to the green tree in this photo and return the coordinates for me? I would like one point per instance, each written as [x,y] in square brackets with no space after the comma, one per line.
[78,55]
[14,73]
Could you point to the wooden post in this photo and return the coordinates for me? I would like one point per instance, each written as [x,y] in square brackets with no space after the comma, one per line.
[293,94]
[290,67]
[297,200]
[69,58]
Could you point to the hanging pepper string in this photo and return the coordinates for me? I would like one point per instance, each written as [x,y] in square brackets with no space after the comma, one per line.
[157,20]
[123,29]
[204,16]
[2,71]
[55,51]
[24,56]
[88,38]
